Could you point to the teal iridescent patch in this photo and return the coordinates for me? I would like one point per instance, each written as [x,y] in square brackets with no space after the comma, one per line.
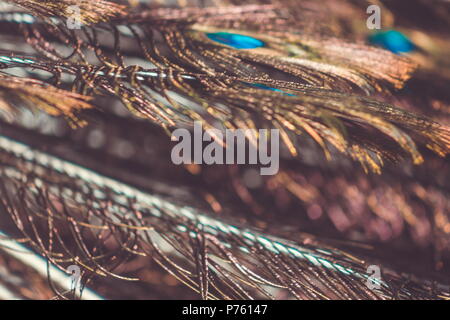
[264,87]
[392,40]
[237,41]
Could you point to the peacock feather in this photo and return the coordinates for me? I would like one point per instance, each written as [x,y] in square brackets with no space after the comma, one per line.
[86,177]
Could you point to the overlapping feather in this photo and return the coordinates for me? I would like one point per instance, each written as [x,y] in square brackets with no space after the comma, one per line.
[163,66]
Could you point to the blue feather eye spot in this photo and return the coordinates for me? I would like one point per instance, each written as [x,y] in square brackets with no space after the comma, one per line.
[237,41]
[264,87]
[392,40]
